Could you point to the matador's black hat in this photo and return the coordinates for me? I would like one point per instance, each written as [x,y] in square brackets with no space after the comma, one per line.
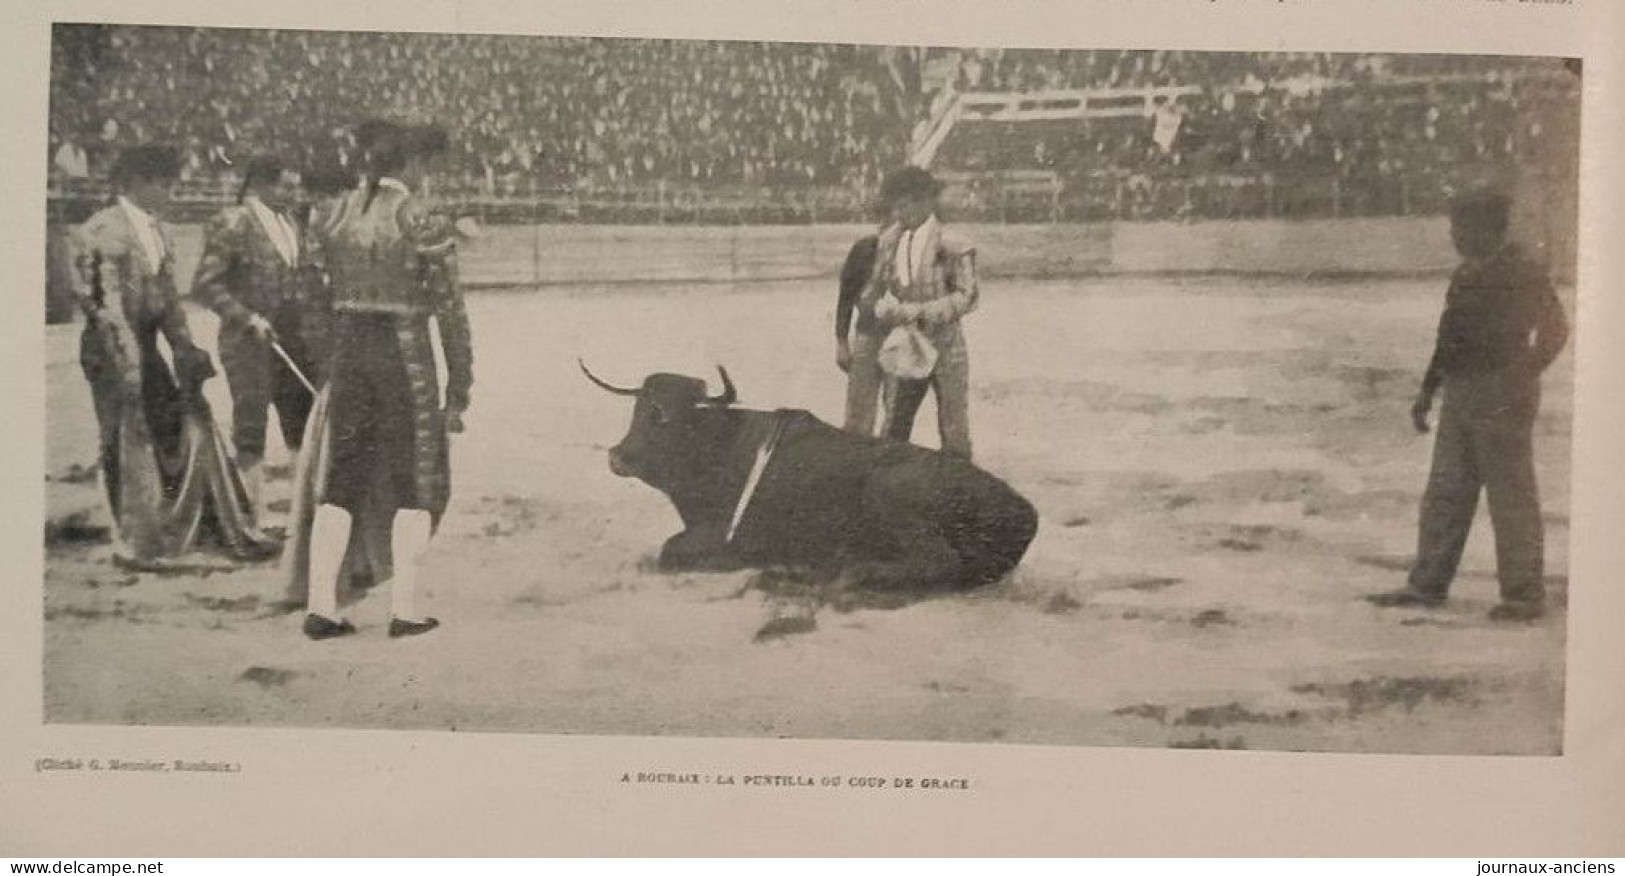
[149,162]
[909,182]
[1485,202]
[327,177]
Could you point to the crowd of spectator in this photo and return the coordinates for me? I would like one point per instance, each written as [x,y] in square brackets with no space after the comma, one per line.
[1053,69]
[1027,70]
[552,114]
[1340,126]
[1382,127]
[521,110]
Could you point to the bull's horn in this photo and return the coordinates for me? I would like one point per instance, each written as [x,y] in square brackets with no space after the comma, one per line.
[602,385]
[729,394]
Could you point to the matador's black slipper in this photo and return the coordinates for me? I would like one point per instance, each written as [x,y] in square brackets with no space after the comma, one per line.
[1405,598]
[399,628]
[319,628]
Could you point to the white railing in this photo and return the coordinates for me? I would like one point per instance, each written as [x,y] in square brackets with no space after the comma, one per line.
[1068,103]
[942,123]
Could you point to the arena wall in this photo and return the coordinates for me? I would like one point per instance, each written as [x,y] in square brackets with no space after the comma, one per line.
[1330,247]
[560,255]
[616,255]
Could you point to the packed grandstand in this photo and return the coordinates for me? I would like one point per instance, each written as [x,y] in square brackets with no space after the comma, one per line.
[628,130]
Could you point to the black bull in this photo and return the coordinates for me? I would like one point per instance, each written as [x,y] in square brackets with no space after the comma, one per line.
[865,511]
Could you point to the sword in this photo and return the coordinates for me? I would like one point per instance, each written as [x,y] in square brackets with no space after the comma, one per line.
[288,361]
[763,453]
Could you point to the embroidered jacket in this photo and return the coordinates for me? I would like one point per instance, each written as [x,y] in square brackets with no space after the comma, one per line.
[127,291]
[242,272]
[942,290]
[395,256]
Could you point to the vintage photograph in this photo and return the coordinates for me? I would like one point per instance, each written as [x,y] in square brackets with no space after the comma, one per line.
[646,387]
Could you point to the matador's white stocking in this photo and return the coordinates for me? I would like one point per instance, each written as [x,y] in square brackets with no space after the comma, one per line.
[410,538]
[253,472]
[329,539]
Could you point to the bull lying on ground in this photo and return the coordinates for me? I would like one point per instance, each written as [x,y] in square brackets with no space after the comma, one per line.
[783,488]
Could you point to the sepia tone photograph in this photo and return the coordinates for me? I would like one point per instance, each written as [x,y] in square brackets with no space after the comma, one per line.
[570,385]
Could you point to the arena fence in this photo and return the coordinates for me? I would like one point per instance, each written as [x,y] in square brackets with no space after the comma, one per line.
[1032,224]
[991,197]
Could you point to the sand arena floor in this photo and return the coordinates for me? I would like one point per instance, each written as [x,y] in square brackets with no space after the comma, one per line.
[1223,468]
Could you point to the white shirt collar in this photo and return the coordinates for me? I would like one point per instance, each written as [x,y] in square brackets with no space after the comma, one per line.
[276,227]
[911,249]
[926,227]
[137,215]
[264,213]
[146,230]
[916,236]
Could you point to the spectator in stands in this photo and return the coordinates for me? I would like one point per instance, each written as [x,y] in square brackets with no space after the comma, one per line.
[72,161]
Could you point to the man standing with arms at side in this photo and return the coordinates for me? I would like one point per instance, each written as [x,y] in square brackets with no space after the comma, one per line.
[858,338]
[1502,326]
[250,275]
[392,263]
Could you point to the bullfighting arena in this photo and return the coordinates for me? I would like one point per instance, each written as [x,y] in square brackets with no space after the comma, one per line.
[1221,458]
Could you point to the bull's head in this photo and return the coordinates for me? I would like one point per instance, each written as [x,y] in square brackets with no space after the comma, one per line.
[674,428]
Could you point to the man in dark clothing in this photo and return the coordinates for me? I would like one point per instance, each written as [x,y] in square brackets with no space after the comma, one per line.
[250,275]
[855,271]
[858,338]
[1502,326]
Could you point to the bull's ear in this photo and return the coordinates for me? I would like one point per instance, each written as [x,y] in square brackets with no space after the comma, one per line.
[729,393]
